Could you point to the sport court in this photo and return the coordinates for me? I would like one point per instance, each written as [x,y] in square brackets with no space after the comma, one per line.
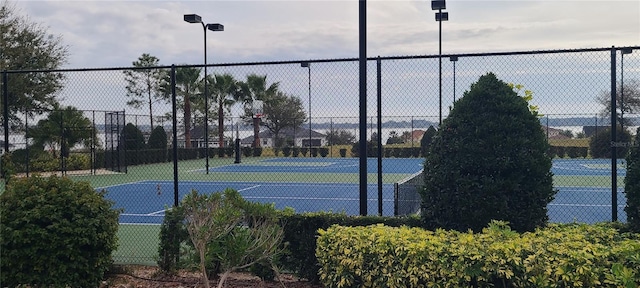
[584,188]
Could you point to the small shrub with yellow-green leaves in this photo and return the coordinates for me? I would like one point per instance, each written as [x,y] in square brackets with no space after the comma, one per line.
[556,256]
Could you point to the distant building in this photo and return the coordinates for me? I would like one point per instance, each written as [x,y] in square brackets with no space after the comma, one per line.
[300,137]
[553,133]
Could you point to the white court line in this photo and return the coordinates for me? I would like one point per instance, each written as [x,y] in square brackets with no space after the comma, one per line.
[156,213]
[140,215]
[313,198]
[249,188]
[117,185]
[584,205]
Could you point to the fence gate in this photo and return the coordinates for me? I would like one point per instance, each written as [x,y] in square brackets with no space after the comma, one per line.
[114,142]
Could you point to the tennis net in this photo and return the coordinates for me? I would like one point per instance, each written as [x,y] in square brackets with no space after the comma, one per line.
[406,196]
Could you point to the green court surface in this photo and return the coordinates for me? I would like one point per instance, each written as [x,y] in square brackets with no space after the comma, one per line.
[137,244]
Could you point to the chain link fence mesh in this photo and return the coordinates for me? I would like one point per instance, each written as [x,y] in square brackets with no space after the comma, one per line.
[312,164]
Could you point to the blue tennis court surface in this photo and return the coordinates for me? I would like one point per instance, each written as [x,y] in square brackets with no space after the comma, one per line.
[146,201]
[324,165]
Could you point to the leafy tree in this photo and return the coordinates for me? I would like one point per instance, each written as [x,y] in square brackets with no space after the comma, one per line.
[28,46]
[627,102]
[144,86]
[340,137]
[394,138]
[134,140]
[158,138]
[188,90]
[63,129]
[255,88]
[284,112]
[600,144]
[425,141]
[632,185]
[225,88]
[567,133]
[488,162]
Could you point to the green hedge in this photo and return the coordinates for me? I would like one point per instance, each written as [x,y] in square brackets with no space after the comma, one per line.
[301,232]
[55,233]
[556,256]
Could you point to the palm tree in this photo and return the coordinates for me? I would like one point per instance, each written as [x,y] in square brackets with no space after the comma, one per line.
[225,88]
[255,88]
[187,82]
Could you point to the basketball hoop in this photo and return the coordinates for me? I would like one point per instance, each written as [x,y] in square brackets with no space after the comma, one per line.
[257,108]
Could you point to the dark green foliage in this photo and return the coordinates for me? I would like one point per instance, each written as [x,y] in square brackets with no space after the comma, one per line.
[157,146]
[560,151]
[632,185]
[134,140]
[301,232]
[343,152]
[600,144]
[425,141]
[55,233]
[173,233]
[488,162]
[314,151]
[286,151]
[229,151]
[295,151]
[158,138]
[324,151]
[303,151]
[246,151]
[257,151]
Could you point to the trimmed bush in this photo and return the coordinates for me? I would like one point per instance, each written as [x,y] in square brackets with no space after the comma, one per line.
[343,152]
[600,144]
[324,151]
[295,151]
[247,151]
[257,151]
[303,151]
[557,256]
[632,185]
[286,151]
[425,141]
[158,144]
[55,232]
[488,162]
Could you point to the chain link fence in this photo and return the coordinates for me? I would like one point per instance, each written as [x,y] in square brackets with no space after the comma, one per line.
[308,160]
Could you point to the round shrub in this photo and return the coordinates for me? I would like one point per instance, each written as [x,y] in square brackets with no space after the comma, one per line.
[158,138]
[632,185]
[488,161]
[426,139]
[600,144]
[55,233]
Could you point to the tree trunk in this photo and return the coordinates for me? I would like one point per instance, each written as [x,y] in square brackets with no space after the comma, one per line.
[187,121]
[256,132]
[220,125]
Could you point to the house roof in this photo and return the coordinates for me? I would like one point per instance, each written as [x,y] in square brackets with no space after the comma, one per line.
[285,133]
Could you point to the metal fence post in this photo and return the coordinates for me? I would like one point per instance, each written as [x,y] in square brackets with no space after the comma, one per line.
[362,11]
[614,154]
[174,110]
[379,140]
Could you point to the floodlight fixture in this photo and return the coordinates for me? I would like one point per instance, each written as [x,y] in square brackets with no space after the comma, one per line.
[442,16]
[304,64]
[627,51]
[192,18]
[453,58]
[215,27]
[438,5]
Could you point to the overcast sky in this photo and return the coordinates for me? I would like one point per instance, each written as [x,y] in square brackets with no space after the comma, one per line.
[115,33]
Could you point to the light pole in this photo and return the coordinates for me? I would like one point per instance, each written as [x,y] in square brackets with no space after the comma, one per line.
[308,66]
[195,18]
[624,51]
[454,59]
[440,16]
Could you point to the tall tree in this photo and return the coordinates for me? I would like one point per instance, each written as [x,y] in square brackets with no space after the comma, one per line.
[627,102]
[187,90]
[225,89]
[62,130]
[284,111]
[255,88]
[144,85]
[28,46]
